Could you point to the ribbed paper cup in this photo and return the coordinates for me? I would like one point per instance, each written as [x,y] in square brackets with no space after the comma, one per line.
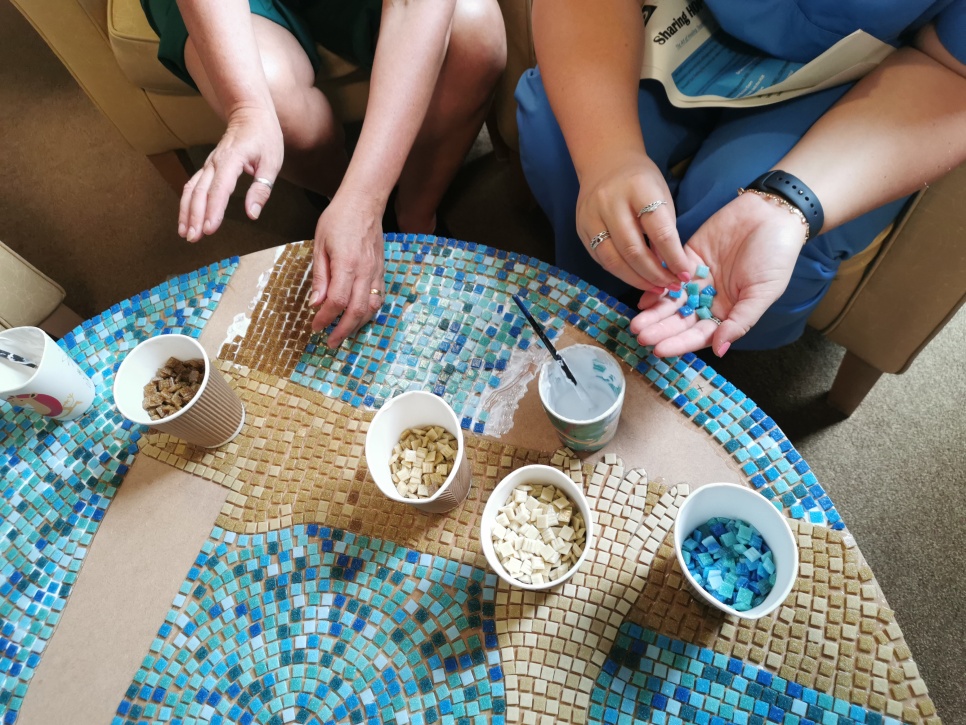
[416,409]
[213,417]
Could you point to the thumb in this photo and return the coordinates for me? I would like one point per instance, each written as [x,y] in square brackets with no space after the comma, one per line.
[745,313]
[258,194]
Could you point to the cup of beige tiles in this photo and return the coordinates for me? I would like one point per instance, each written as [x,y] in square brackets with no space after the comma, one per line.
[212,418]
[533,474]
[416,409]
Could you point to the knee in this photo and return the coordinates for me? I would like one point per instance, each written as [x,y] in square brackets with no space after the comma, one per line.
[302,109]
[478,41]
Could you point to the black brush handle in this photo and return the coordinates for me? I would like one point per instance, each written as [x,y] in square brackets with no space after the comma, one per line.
[16,358]
[543,337]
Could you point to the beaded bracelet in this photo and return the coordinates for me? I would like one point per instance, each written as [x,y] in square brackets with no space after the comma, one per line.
[792,209]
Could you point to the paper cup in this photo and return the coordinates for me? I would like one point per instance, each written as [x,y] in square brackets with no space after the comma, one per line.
[535,473]
[213,417]
[601,380]
[56,388]
[732,501]
[416,409]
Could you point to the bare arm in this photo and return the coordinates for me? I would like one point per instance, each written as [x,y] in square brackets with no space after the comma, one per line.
[234,68]
[409,55]
[590,56]
[224,39]
[349,271]
[899,128]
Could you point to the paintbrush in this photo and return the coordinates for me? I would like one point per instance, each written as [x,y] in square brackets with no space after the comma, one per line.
[12,357]
[543,337]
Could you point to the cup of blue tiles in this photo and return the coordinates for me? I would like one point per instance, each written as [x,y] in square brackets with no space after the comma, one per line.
[405,429]
[736,549]
[585,416]
[38,375]
[212,417]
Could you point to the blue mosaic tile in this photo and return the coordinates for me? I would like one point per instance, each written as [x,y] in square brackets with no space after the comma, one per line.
[317,625]
[58,478]
[650,678]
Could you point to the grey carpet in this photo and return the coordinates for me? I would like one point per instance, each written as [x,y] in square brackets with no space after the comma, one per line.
[82,206]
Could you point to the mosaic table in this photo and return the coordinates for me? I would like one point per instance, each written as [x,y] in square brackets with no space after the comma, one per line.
[269,582]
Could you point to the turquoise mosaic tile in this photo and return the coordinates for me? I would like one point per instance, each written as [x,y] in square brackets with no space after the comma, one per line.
[57,479]
[318,625]
[449,325]
[650,678]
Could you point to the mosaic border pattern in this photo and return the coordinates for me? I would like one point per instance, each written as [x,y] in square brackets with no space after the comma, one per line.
[58,478]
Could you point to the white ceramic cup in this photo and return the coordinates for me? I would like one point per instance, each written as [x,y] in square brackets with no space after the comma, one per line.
[592,433]
[538,474]
[212,418]
[56,388]
[416,409]
[733,501]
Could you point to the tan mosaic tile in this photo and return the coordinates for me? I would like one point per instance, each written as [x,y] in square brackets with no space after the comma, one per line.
[282,307]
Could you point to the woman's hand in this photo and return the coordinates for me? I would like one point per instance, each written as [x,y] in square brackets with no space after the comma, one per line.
[348,277]
[252,144]
[750,246]
[611,198]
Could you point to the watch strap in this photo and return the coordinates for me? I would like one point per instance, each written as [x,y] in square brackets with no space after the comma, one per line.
[795,192]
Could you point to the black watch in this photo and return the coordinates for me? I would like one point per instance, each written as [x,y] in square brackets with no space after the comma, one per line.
[791,189]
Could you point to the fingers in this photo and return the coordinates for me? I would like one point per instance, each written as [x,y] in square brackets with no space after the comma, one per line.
[205,198]
[362,305]
[655,311]
[745,313]
[628,241]
[258,194]
[660,226]
[695,337]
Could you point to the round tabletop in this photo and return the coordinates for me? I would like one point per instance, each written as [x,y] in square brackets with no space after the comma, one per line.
[268,581]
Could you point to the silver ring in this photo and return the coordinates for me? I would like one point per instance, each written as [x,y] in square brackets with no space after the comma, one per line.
[654,205]
[595,242]
[715,320]
[262,180]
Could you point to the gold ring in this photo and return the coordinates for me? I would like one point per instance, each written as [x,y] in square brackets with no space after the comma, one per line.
[374,291]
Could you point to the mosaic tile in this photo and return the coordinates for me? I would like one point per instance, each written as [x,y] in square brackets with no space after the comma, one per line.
[649,678]
[319,625]
[552,644]
[302,465]
[448,325]
[58,478]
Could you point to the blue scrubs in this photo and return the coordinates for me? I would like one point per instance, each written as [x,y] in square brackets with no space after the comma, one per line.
[730,147]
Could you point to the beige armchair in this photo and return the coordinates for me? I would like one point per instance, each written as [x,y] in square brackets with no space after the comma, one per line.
[29,298]
[883,308]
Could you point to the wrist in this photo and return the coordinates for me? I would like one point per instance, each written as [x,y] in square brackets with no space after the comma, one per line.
[778,208]
[791,192]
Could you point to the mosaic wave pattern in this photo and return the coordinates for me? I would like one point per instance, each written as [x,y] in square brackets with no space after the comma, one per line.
[58,478]
[318,625]
[449,325]
[649,678]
